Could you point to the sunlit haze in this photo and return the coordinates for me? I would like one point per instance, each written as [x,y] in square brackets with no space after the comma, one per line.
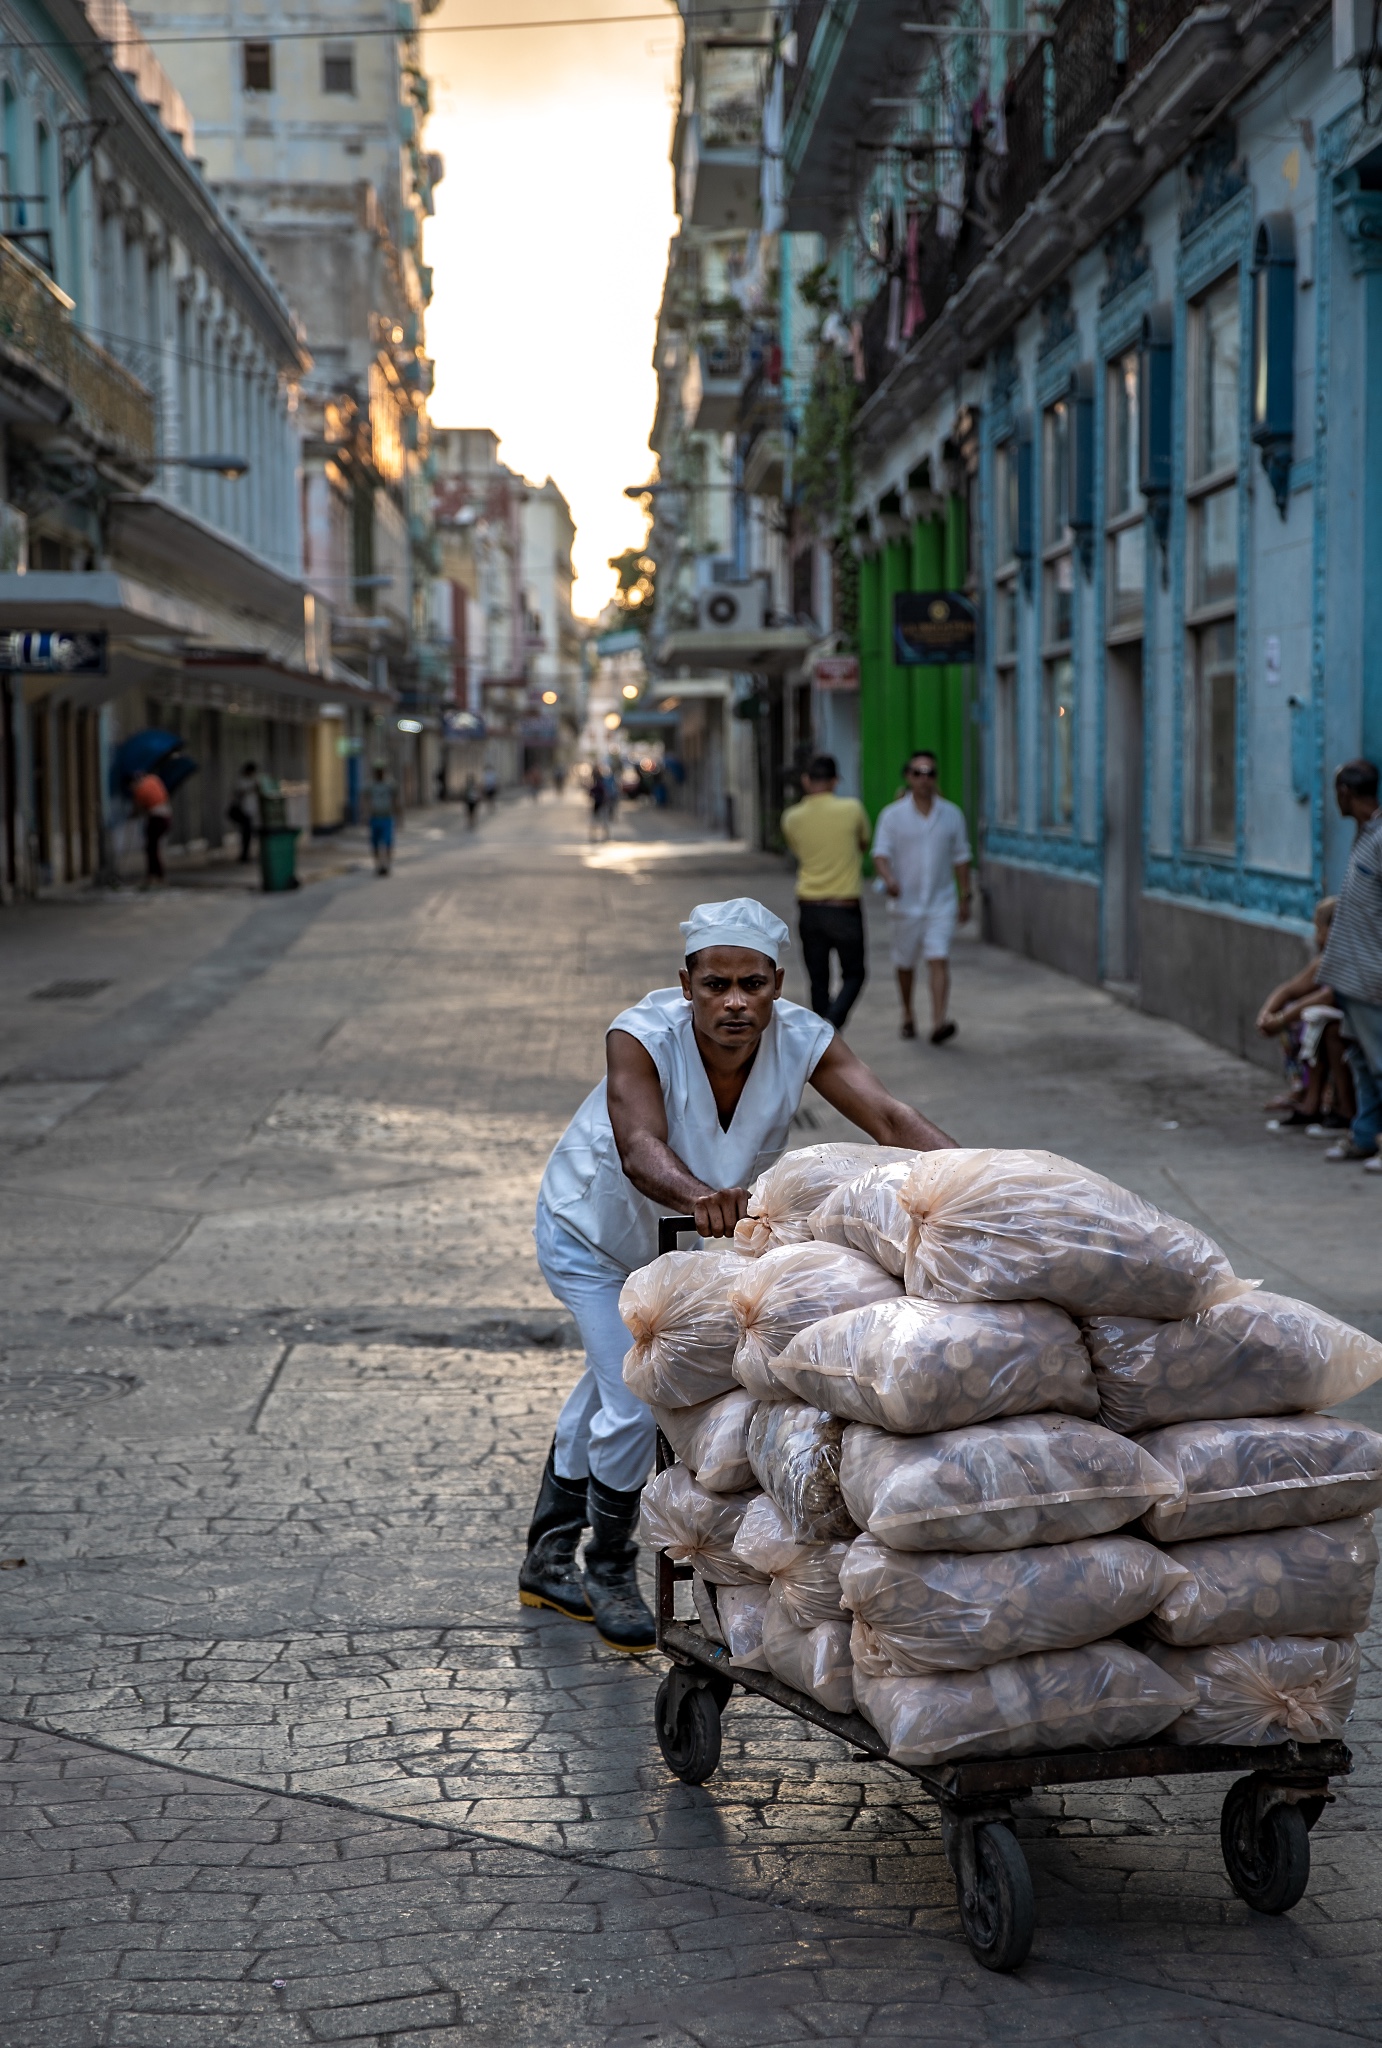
[549,247]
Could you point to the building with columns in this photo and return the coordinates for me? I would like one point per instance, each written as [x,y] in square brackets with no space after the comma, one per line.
[150,451]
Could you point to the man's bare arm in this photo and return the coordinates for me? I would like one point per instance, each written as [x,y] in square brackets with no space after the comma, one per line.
[884,867]
[638,1118]
[856,1091]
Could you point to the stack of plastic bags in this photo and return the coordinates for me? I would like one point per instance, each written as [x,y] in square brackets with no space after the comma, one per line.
[1272,1521]
[1057,1494]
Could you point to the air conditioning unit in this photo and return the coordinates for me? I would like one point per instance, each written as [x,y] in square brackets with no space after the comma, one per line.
[731,608]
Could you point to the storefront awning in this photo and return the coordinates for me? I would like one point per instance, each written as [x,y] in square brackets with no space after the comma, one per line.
[772,650]
[100,600]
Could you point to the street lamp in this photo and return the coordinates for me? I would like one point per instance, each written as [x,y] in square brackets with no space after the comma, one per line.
[612,721]
[630,690]
[549,696]
[661,490]
[232,466]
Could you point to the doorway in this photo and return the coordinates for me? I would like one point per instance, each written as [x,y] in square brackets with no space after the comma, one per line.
[1123,756]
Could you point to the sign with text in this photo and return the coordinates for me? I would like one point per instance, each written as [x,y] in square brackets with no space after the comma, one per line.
[837,672]
[933,628]
[54,654]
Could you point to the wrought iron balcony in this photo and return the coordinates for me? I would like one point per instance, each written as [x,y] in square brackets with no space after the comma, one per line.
[1069,82]
[62,377]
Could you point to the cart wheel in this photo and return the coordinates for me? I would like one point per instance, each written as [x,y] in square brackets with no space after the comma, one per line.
[1266,1852]
[1000,1917]
[690,1738]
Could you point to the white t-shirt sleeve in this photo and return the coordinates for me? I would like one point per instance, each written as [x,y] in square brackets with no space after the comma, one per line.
[959,838]
[883,835]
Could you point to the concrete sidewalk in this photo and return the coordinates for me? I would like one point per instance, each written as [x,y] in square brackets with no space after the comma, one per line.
[284,1761]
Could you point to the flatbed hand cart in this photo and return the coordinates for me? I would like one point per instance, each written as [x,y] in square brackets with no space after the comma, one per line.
[1264,1826]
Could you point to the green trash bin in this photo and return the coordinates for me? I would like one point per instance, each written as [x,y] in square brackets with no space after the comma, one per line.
[278,852]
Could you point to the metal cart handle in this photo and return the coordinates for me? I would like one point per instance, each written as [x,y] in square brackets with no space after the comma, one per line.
[669,1229]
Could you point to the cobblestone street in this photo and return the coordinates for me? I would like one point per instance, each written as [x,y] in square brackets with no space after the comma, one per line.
[283,1760]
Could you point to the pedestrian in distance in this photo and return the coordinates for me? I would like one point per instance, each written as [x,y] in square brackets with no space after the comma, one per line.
[471,796]
[150,797]
[441,782]
[243,806]
[1352,961]
[599,805]
[383,807]
[672,1129]
[829,835]
[489,784]
[921,852]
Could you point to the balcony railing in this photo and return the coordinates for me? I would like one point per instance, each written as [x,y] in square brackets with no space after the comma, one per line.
[38,334]
[1069,82]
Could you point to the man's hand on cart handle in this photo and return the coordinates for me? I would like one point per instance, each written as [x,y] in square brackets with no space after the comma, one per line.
[717,1213]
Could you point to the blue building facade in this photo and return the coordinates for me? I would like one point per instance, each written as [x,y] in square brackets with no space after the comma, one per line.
[1146,350]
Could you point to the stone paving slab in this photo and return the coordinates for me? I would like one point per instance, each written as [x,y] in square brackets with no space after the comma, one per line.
[143,1905]
[280,1374]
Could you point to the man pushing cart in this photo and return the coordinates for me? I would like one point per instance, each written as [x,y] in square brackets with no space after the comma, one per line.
[702,1083]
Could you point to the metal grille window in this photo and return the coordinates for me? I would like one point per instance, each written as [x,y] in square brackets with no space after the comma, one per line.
[1213,445]
[1126,536]
[1006,781]
[1057,621]
[257,66]
[338,68]
[1058,705]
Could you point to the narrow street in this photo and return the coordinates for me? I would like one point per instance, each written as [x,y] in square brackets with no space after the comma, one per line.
[283,1760]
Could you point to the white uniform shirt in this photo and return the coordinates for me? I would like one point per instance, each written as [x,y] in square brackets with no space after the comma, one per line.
[923,849]
[585,1186]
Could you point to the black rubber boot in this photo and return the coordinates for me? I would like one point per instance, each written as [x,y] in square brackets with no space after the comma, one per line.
[548,1576]
[622,1614]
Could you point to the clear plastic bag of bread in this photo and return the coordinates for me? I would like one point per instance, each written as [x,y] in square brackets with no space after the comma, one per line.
[776,1297]
[814,1660]
[992,1225]
[712,1440]
[795,1454]
[1263,1472]
[1254,1354]
[682,1327]
[1315,1581]
[1265,1690]
[695,1527]
[948,1611]
[733,1616]
[807,1574]
[1098,1697]
[998,1485]
[866,1214]
[914,1367]
[781,1200]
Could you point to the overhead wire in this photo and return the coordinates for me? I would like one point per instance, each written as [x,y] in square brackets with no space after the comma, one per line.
[252,32]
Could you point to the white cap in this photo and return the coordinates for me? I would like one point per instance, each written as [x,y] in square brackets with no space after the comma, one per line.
[740,922]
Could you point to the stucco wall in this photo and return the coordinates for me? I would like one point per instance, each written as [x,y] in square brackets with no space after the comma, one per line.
[1211,972]
[1049,917]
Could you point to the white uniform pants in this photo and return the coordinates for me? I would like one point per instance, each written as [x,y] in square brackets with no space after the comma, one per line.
[604,1428]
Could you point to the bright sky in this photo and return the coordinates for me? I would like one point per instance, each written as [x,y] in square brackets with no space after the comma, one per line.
[549,247]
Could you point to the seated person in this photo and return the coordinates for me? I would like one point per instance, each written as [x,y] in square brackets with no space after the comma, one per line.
[1302,1013]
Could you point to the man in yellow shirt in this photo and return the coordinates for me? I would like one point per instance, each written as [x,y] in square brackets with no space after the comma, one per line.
[829,835]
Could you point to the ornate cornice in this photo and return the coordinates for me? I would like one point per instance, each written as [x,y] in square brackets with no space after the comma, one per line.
[1360,217]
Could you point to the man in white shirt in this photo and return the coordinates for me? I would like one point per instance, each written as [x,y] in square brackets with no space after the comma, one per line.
[921,850]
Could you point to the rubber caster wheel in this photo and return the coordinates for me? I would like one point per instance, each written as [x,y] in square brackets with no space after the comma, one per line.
[688,1731]
[999,1916]
[1266,1852]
